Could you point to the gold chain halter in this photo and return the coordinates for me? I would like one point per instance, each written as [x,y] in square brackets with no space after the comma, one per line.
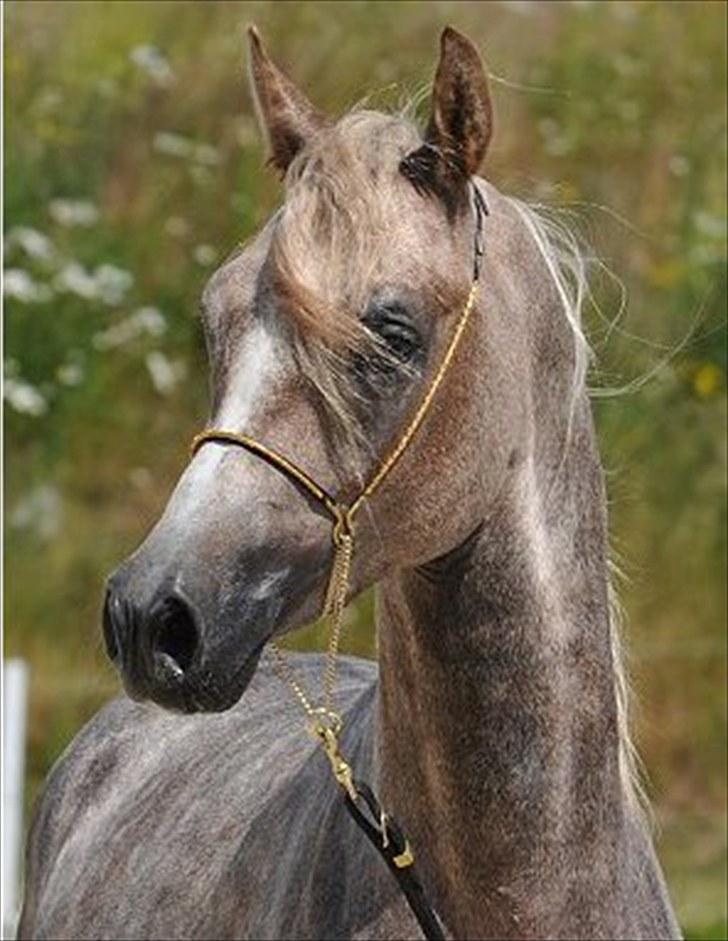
[325,723]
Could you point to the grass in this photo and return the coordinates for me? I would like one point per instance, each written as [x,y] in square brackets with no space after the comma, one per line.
[613,111]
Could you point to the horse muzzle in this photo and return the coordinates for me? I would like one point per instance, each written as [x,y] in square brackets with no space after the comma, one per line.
[168,650]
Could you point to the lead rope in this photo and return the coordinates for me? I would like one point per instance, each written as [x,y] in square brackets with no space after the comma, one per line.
[324,721]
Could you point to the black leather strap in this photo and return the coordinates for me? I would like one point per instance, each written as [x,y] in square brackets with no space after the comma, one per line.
[387,838]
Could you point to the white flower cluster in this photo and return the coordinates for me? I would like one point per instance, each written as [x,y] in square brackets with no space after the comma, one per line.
[41,510]
[147,320]
[22,286]
[30,241]
[105,283]
[24,397]
[71,212]
[177,145]
[149,59]
[165,373]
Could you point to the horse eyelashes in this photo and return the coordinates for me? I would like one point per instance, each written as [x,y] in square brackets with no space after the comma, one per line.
[420,168]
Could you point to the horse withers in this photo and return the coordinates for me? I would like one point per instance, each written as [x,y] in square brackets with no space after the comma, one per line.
[494,724]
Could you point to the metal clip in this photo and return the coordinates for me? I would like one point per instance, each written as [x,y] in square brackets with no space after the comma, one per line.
[339,766]
[403,859]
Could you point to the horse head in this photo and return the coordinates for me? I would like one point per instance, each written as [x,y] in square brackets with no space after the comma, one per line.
[323,334]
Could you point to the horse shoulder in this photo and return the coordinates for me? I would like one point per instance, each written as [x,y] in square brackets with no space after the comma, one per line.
[155,825]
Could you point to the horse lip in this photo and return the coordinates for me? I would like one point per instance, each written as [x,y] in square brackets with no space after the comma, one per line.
[200,694]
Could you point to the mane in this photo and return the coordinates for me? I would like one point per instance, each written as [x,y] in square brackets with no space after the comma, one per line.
[568,259]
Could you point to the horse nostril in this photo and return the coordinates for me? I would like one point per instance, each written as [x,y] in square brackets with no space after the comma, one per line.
[174,637]
[110,626]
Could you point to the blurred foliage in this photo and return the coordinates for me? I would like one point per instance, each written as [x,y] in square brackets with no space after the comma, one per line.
[133,166]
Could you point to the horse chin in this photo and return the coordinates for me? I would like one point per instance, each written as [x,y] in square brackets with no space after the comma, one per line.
[199,691]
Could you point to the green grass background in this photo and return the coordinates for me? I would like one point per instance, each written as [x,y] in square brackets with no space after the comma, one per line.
[614,111]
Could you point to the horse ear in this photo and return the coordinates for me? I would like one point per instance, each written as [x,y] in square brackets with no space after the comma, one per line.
[461,122]
[287,117]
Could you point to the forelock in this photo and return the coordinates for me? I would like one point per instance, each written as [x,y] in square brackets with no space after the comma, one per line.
[332,231]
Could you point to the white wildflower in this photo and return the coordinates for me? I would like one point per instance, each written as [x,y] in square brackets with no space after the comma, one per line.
[70,374]
[75,279]
[70,212]
[207,155]
[709,224]
[106,283]
[152,320]
[150,60]
[177,145]
[147,320]
[205,255]
[24,397]
[165,373]
[40,511]
[112,283]
[20,285]
[34,243]
[174,145]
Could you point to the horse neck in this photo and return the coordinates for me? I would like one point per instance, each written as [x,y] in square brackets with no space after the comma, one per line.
[498,725]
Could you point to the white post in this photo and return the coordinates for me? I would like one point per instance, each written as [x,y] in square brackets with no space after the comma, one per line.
[15,688]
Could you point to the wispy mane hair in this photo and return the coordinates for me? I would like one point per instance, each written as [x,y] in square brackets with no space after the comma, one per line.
[568,259]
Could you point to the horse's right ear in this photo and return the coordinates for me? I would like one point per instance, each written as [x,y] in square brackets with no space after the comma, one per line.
[287,117]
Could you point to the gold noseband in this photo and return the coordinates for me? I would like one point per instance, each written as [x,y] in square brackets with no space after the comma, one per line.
[325,721]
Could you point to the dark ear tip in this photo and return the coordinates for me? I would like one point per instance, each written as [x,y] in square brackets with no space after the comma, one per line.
[254,37]
[450,36]
[453,41]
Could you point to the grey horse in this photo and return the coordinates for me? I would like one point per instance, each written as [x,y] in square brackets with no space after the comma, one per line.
[494,725]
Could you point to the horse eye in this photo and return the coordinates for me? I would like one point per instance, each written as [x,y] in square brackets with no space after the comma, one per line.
[394,329]
[401,341]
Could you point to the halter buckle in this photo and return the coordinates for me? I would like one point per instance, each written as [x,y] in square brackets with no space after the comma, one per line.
[342,527]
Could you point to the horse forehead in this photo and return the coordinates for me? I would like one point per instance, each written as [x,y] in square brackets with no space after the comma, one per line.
[378,138]
[232,286]
[362,148]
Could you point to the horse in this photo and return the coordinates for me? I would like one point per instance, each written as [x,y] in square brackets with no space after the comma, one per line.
[494,723]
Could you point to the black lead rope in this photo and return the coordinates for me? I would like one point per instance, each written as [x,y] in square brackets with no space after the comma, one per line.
[389,841]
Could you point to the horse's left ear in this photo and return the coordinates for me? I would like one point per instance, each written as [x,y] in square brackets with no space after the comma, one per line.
[287,117]
[461,123]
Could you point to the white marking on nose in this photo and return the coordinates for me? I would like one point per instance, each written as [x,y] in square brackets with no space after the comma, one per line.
[252,380]
[268,583]
[255,369]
